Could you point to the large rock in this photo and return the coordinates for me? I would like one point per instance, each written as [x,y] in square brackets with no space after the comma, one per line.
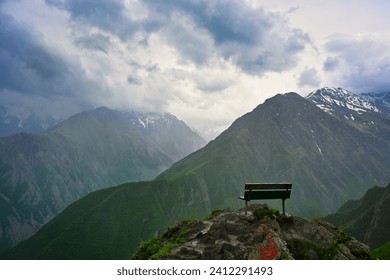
[261,234]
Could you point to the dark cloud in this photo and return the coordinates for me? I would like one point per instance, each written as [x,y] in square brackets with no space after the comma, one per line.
[365,60]
[255,40]
[331,64]
[31,72]
[24,62]
[227,21]
[104,14]
[309,77]
[94,41]
[133,80]
[109,16]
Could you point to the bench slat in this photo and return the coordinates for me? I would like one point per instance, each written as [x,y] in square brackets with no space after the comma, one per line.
[268,186]
[248,195]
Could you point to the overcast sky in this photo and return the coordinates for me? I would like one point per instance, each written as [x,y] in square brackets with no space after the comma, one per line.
[207,62]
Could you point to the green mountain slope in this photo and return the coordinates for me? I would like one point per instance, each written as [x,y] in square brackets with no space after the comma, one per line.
[40,174]
[288,138]
[381,253]
[368,219]
[109,223]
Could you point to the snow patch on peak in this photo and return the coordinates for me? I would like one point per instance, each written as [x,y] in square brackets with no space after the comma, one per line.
[151,120]
[333,99]
[381,100]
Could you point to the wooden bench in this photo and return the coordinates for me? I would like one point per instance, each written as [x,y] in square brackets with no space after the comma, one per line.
[266,191]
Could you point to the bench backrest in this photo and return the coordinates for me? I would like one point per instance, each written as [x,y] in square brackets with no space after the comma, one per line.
[267,191]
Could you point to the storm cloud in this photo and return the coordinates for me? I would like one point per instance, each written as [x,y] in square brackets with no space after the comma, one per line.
[255,40]
[25,63]
[33,74]
[361,62]
[208,62]
[309,77]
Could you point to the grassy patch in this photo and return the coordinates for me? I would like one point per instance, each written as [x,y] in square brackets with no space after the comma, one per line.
[306,250]
[342,237]
[261,213]
[160,246]
[213,214]
[381,253]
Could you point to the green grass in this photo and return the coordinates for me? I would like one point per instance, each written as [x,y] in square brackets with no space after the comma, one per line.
[381,253]
[306,250]
[213,214]
[159,246]
[259,213]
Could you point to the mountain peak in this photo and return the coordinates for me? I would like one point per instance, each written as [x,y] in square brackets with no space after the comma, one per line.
[152,120]
[381,100]
[332,99]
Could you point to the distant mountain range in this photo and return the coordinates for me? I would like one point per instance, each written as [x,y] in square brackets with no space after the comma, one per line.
[331,146]
[380,100]
[21,121]
[42,173]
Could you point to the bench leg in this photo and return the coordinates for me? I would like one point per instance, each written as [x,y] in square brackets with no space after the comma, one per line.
[284,212]
[246,206]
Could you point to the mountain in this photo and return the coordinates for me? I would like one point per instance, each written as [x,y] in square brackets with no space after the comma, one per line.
[40,174]
[368,218]
[288,138]
[262,234]
[338,100]
[177,139]
[328,158]
[20,121]
[380,100]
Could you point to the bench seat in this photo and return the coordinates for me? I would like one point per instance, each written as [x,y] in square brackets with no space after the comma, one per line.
[255,191]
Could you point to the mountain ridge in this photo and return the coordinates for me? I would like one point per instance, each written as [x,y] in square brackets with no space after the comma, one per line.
[328,98]
[366,218]
[42,173]
[328,158]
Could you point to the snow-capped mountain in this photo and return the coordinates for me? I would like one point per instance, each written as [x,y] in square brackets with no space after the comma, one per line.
[150,120]
[41,173]
[167,130]
[338,99]
[12,121]
[361,112]
[381,100]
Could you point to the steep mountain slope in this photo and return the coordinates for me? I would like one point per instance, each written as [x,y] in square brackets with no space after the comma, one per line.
[368,219]
[328,158]
[42,173]
[288,138]
[110,223]
[381,253]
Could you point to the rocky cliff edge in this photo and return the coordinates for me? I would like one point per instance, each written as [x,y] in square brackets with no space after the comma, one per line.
[262,233]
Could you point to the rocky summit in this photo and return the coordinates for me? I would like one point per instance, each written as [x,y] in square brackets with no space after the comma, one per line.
[262,233]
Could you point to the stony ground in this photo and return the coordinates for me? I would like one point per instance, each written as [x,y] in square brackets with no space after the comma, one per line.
[262,233]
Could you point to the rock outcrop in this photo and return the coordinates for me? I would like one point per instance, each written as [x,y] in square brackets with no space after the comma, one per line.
[261,234]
